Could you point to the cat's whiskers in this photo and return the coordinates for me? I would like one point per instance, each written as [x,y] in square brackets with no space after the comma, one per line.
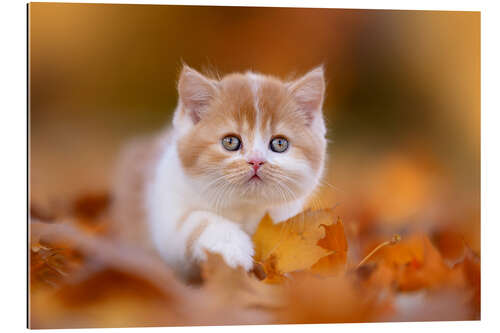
[223,178]
[324,182]
[222,189]
[210,185]
[279,177]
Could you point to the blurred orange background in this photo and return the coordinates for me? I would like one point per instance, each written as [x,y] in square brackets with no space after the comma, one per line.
[402,105]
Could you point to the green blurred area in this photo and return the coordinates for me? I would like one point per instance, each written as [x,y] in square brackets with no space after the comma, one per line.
[398,81]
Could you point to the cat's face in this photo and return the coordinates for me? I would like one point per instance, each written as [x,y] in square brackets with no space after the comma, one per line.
[250,137]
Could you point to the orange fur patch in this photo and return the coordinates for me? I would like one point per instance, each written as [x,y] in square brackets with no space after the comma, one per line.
[193,237]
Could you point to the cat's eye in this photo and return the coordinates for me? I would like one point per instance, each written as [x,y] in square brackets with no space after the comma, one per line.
[231,142]
[279,144]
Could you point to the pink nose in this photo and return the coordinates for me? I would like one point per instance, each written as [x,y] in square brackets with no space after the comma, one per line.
[256,164]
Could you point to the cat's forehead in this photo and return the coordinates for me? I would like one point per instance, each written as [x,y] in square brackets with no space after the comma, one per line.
[253,100]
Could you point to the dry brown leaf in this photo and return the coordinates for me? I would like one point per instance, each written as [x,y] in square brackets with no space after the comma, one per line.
[104,298]
[470,266]
[311,298]
[442,304]
[413,264]
[79,278]
[235,287]
[115,286]
[450,244]
[119,286]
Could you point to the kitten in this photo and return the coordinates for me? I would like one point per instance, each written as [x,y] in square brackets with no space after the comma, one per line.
[240,147]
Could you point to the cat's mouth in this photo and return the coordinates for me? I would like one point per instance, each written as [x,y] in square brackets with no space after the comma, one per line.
[255,177]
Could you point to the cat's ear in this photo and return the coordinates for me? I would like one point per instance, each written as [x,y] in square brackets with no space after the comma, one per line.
[309,91]
[195,92]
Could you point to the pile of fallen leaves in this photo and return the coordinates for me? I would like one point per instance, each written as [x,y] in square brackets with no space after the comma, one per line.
[305,272]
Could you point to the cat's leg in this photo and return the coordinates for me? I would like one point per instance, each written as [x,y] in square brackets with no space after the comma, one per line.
[286,211]
[206,231]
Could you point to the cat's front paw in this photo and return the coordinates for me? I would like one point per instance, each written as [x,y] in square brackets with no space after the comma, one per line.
[228,240]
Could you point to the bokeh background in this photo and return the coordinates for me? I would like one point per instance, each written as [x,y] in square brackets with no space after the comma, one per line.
[402,105]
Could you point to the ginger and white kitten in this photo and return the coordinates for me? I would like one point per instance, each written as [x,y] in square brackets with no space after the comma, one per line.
[240,147]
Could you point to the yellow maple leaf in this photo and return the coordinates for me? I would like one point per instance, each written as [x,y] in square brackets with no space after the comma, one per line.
[294,244]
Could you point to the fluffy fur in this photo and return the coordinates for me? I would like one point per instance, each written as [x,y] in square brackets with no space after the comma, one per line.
[195,195]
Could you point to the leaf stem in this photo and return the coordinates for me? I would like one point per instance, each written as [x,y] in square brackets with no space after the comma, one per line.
[394,240]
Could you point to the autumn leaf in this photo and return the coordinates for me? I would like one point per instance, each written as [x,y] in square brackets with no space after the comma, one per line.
[470,266]
[299,243]
[118,285]
[80,278]
[450,244]
[425,305]
[413,264]
[272,274]
[311,298]
[235,287]
[336,242]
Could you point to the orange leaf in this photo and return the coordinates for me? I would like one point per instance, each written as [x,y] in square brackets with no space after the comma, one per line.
[413,264]
[310,298]
[335,241]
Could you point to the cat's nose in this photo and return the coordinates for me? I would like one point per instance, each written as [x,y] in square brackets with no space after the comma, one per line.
[256,164]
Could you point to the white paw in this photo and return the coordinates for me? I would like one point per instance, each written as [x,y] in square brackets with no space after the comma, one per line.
[228,240]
